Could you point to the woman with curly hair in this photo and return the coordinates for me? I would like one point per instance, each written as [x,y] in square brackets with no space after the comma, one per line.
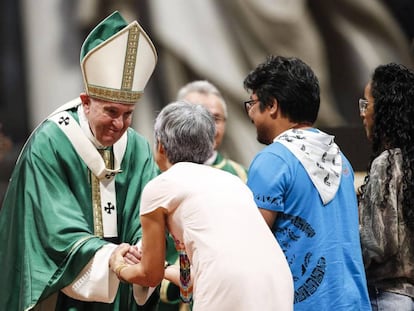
[386,199]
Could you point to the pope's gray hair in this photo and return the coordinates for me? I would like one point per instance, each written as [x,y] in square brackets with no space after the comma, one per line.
[186,131]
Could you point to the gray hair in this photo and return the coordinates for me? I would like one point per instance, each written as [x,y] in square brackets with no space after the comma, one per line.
[203,87]
[186,131]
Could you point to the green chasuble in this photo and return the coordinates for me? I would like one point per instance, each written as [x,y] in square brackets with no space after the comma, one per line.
[46,221]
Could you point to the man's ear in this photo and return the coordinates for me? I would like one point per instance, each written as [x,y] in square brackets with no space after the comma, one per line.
[85,100]
[274,108]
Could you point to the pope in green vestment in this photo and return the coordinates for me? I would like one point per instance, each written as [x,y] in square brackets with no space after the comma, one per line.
[48,224]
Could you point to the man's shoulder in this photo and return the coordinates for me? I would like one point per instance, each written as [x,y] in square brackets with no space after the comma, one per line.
[276,150]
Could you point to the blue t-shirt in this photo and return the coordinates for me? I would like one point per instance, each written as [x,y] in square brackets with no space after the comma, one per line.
[321,242]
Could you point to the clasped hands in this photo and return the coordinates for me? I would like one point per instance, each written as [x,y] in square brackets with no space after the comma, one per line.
[124,256]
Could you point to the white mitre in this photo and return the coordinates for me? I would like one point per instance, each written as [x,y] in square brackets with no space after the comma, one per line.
[117,60]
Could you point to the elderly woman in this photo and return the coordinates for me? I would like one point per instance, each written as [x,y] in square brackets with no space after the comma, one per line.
[387,195]
[236,264]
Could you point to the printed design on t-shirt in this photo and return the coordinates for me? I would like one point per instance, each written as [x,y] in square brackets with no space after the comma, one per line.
[274,201]
[312,283]
[308,271]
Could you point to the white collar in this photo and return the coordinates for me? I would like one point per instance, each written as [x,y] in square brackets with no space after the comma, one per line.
[84,124]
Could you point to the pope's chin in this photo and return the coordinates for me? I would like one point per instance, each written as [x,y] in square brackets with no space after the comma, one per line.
[108,141]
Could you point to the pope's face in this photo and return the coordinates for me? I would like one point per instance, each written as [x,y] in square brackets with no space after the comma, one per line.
[108,121]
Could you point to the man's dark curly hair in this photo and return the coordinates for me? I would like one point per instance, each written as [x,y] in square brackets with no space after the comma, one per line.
[291,82]
[392,87]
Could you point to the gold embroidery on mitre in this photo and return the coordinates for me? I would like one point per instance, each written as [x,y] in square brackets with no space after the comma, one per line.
[130,58]
[96,194]
[114,95]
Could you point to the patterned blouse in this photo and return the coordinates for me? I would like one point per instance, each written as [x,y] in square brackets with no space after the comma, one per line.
[387,244]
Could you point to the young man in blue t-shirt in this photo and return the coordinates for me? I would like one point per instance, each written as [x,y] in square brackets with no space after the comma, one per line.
[304,188]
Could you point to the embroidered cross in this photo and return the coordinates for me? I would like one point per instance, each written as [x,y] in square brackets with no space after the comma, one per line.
[109,207]
[64,120]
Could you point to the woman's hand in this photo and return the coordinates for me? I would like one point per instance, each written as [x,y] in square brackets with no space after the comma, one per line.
[133,255]
[117,261]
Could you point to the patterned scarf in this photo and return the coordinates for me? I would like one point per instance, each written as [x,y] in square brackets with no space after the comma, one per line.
[320,157]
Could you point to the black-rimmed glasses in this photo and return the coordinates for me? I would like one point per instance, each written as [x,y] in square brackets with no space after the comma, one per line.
[363,105]
[248,104]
